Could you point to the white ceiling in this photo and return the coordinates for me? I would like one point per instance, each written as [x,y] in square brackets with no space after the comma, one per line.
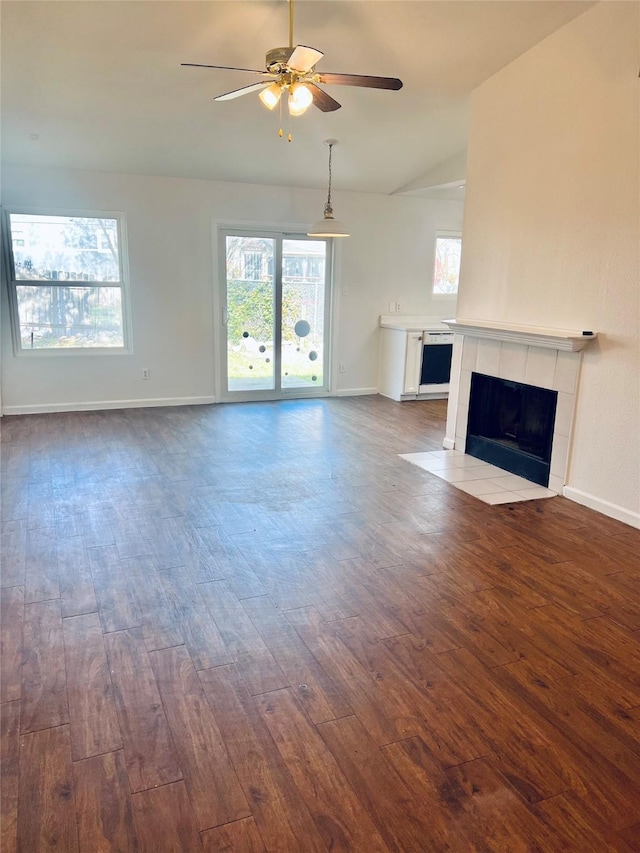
[101,85]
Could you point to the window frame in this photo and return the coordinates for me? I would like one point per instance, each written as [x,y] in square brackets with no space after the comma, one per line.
[13,282]
[451,235]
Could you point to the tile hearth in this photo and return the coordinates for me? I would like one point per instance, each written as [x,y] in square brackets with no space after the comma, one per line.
[475,477]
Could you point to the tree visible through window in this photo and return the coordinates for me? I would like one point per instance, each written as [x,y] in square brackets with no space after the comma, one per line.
[67,281]
[447,265]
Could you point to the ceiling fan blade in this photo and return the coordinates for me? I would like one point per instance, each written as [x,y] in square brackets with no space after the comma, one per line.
[321,100]
[238,93]
[304,58]
[361,80]
[221,67]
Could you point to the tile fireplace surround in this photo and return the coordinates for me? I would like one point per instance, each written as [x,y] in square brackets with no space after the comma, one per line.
[546,358]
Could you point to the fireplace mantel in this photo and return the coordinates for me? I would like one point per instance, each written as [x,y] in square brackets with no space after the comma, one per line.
[535,336]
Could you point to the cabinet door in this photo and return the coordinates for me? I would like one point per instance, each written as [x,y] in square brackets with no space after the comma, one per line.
[413,363]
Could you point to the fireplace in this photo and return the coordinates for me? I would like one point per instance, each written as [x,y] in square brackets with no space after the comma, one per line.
[545,361]
[511,425]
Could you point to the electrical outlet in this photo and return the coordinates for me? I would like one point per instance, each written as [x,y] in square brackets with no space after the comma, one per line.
[342,368]
[392,307]
[397,307]
[145,372]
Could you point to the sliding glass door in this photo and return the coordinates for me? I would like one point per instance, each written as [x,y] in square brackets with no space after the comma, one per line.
[275,311]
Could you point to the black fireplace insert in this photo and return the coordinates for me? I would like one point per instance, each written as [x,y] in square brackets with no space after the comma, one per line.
[511,426]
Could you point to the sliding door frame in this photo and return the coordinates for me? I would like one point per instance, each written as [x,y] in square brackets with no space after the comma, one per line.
[279,235]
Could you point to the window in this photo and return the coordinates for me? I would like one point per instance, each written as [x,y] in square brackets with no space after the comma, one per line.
[447,265]
[252,266]
[68,285]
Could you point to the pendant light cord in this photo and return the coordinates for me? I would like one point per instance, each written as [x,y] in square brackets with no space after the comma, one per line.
[328,209]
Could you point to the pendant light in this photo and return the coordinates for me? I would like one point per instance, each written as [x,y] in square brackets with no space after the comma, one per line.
[328,226]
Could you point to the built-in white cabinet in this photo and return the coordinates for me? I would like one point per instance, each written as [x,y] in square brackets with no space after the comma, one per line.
[401,349]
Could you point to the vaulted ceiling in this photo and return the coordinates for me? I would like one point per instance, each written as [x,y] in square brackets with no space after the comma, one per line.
[97,84]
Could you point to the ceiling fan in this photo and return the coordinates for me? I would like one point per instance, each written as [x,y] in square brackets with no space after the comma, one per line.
[293,70]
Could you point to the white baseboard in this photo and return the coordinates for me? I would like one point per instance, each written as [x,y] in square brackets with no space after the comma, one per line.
[355,392]
[97,405]
[599,505]
[449,443]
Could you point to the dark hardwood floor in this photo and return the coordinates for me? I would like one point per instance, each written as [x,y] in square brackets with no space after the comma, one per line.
[255,628]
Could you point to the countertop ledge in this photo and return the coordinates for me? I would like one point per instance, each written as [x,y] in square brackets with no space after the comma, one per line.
[412,323]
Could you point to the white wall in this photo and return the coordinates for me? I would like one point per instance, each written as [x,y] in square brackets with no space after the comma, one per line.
[551,227]
[390,255]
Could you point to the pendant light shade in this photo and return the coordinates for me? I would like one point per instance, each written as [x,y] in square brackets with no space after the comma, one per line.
[328,226]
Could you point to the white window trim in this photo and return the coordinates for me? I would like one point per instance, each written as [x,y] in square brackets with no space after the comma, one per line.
[434,295]
[123,284]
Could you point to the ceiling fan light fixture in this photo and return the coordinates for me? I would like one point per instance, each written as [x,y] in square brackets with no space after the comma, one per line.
[300,98]
[271,95]
[328,226]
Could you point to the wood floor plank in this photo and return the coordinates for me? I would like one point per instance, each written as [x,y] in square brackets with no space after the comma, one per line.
[338,813]
[164,816]
[383,716]
[527,752]
[214,790]
[424,777]
[501,617]
[92,710]
[40,507]
[578,721]
[456,740]
[11,624]
[114,590]
[392,807]
[46,802]
[424,617]
[103,805]
[148,745]
[493,812]
[9,772]
[158,620]
[44,686]
[244,582]
[239,837]
[243,643]
[343,595]
[461,625]
[13,552]
[201,635]
[609,646]
[284,573]
[277,806]
[132,531]
[13,498]
[41,566]
[94,527]
[76,582]
[318,693]
[587,772]
[175,543]
[575,826]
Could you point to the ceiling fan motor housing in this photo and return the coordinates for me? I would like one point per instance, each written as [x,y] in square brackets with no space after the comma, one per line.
[277,59]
